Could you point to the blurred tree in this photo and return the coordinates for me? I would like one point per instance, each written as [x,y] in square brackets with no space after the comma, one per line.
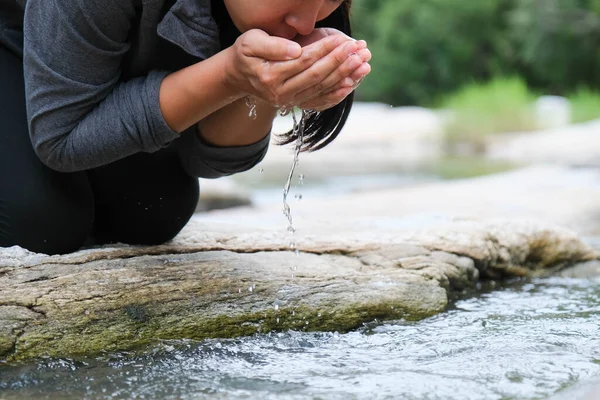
[558,43]
[425,48]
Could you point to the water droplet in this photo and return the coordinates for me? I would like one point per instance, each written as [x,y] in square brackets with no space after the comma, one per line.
[293,312]
[291,230]
[87,312]
[251,104]
[319,314]
[240,290]
[293,276]
[298,196]
[276,307]
[292,245]
[250,288]
[277,320]
[297,253]
[294,268]
[306,323]
[261,170]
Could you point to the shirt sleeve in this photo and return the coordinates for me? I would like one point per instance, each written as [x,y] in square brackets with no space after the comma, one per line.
[80,114]
[206,161]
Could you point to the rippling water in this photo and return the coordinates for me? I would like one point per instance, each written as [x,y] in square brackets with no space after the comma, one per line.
[527,340]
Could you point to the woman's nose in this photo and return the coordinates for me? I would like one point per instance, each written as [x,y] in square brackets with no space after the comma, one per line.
[303,20]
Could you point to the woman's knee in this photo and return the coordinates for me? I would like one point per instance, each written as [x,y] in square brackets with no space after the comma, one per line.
[46,220]
[150,218]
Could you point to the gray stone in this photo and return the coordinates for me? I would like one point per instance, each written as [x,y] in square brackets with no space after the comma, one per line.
[218,284]
[229,273]
[574,145]
[218,194]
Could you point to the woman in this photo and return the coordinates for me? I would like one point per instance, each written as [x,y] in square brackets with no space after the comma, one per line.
[110,109]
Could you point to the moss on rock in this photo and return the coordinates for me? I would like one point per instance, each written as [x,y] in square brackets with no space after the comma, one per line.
[7,344]
[88,336]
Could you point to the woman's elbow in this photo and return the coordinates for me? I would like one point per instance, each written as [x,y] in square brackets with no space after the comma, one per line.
[53,157]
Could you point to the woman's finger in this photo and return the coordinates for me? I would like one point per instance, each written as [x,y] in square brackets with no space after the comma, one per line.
[340,77]
[349,83]
[310,56]
[314,77]
[257,43]
[352,68]
[365,54]
[359,74]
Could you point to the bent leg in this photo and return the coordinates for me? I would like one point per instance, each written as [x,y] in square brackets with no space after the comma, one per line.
[40,209]
[143,199]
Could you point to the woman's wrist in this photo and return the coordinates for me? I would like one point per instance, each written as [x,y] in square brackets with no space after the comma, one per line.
[230,77]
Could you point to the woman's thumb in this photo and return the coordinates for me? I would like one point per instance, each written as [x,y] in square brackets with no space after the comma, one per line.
[272,47]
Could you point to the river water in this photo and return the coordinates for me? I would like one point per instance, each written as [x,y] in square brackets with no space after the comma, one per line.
[526,340]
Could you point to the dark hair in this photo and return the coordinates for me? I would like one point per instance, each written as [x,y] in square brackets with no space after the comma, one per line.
[323,127]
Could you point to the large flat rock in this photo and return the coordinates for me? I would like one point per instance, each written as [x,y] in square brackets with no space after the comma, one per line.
[230,273]
[221,284]
[575,145]
[569,197]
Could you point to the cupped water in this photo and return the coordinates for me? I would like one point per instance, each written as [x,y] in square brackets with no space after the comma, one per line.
[526,340]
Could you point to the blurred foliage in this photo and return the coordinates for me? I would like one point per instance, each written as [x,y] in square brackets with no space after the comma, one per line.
[585,105]
[460,167]
[425,48]
[477,110]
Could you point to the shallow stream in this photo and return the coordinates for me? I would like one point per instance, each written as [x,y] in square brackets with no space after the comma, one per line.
[525,340]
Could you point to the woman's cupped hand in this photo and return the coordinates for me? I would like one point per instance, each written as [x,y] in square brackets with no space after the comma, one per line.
[314,72]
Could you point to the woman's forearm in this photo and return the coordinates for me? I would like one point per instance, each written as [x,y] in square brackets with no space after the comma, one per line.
[199,94]
[233,126]
[189,95]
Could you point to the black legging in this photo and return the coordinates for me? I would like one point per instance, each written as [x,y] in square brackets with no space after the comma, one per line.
[142,199]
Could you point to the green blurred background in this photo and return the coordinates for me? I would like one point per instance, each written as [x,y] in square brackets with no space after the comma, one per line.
[425,50]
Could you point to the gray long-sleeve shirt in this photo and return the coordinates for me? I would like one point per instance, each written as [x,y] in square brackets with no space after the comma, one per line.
[93,69]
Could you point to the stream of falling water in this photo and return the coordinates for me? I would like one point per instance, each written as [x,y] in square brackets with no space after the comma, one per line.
[298,131]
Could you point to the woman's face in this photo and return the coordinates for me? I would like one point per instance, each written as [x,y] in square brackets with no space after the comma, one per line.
[283,18]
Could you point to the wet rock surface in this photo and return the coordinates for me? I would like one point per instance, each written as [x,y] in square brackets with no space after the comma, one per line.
[232,273]
[231,285]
